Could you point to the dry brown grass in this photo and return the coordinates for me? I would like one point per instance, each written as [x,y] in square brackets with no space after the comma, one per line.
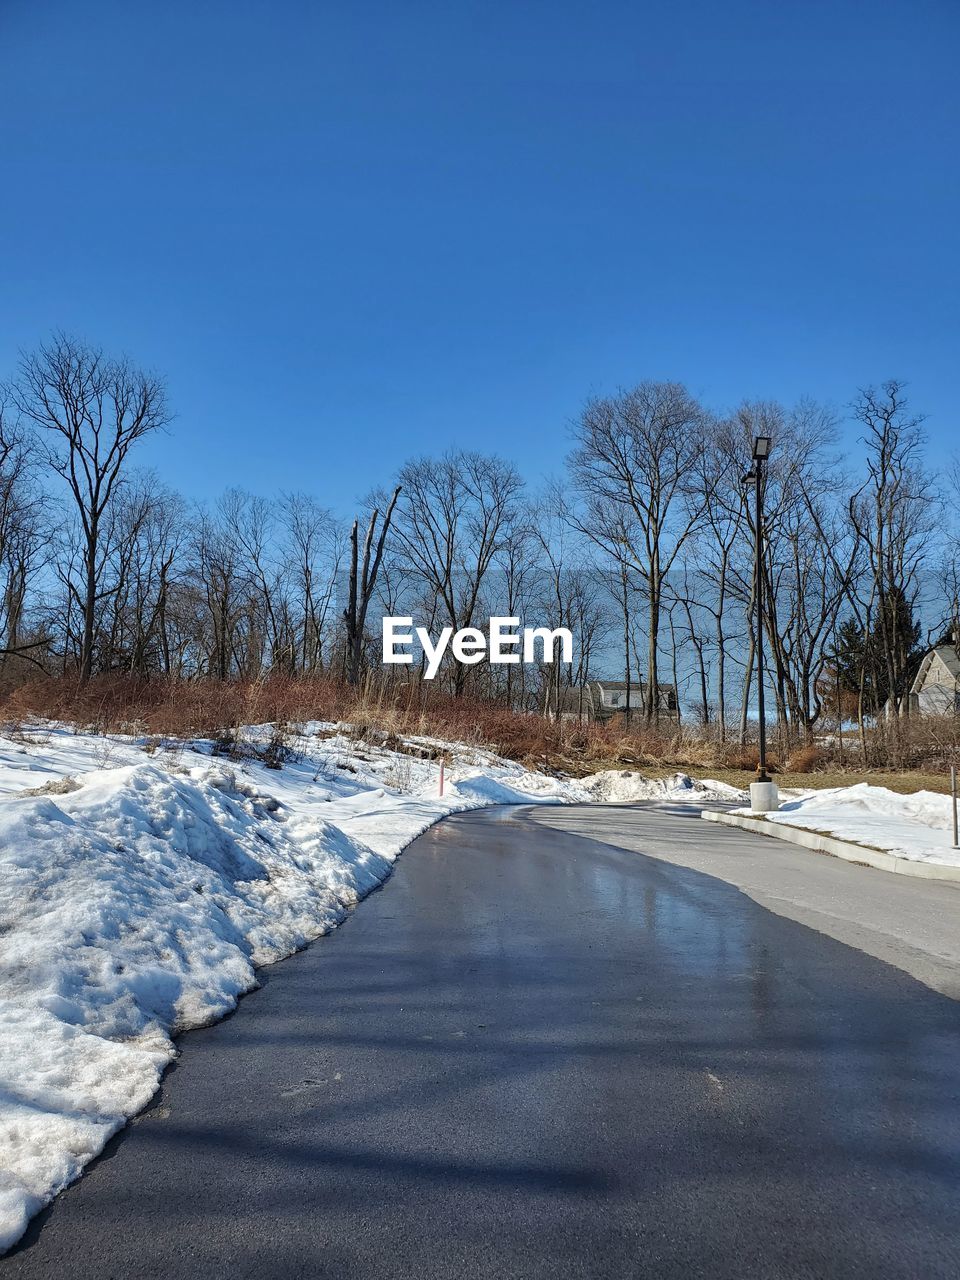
[210,708]
[804,759]
[743,759]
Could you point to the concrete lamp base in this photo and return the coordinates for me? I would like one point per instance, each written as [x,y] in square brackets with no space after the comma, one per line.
[763,797]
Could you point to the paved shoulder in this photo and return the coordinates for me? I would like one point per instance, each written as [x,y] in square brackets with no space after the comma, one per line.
[913,924]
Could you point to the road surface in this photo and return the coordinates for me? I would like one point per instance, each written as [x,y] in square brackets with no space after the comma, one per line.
[548,1048]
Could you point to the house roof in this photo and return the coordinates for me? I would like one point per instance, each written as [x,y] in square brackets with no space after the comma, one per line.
[947,653]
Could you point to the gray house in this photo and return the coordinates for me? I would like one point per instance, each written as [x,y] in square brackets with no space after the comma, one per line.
[936,689]
[600,700]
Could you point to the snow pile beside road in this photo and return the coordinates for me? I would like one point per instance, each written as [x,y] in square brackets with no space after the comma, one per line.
[917,827]
[139,892]
[622,787]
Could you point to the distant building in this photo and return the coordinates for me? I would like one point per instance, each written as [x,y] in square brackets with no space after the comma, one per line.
[936,689]
[600,700]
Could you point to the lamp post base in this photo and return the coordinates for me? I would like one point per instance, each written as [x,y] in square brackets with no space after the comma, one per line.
[764,797]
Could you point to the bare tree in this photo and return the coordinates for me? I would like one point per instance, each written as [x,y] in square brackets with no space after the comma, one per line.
[517,562]
[145,534]
[363,582]
[218,571]
[454,516]
[95,408]
[634,466]
[252,528]
[892,512]
[313,552]
[24,540]
[563,596]
[719,476]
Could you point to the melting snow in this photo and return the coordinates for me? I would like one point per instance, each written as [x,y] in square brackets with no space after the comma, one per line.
[918,826]
[614,786]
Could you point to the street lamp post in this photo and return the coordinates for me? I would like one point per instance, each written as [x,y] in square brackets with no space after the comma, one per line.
[763,792]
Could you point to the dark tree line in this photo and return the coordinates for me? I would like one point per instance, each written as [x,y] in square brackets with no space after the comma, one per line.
[644,550]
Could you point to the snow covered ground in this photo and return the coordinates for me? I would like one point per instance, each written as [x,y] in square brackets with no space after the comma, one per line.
[614,786]
[141,885]
[918,827]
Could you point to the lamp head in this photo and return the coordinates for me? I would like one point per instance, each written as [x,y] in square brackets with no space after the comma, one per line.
[761,448]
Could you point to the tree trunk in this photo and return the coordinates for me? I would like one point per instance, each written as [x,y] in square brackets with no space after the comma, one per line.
[89,607]
[747,682]
[651,699]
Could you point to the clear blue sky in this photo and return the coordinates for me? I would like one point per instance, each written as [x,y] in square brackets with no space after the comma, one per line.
[350,232]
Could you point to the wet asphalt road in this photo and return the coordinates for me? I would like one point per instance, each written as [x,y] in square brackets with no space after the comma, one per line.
[534,1054]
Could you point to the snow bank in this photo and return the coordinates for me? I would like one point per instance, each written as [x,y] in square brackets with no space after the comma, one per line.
[917,827]
[613,786]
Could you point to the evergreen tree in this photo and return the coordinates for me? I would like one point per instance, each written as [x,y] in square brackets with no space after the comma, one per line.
[859,652]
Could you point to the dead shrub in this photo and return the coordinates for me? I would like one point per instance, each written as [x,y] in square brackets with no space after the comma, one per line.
[805,759]
[742,756]
[281,746]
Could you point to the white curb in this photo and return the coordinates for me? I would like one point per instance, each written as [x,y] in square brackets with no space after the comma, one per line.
[845,849]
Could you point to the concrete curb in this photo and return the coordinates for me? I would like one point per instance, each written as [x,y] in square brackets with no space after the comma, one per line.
[845,849]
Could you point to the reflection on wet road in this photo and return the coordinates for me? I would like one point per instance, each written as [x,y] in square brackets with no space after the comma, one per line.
[538,1054]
